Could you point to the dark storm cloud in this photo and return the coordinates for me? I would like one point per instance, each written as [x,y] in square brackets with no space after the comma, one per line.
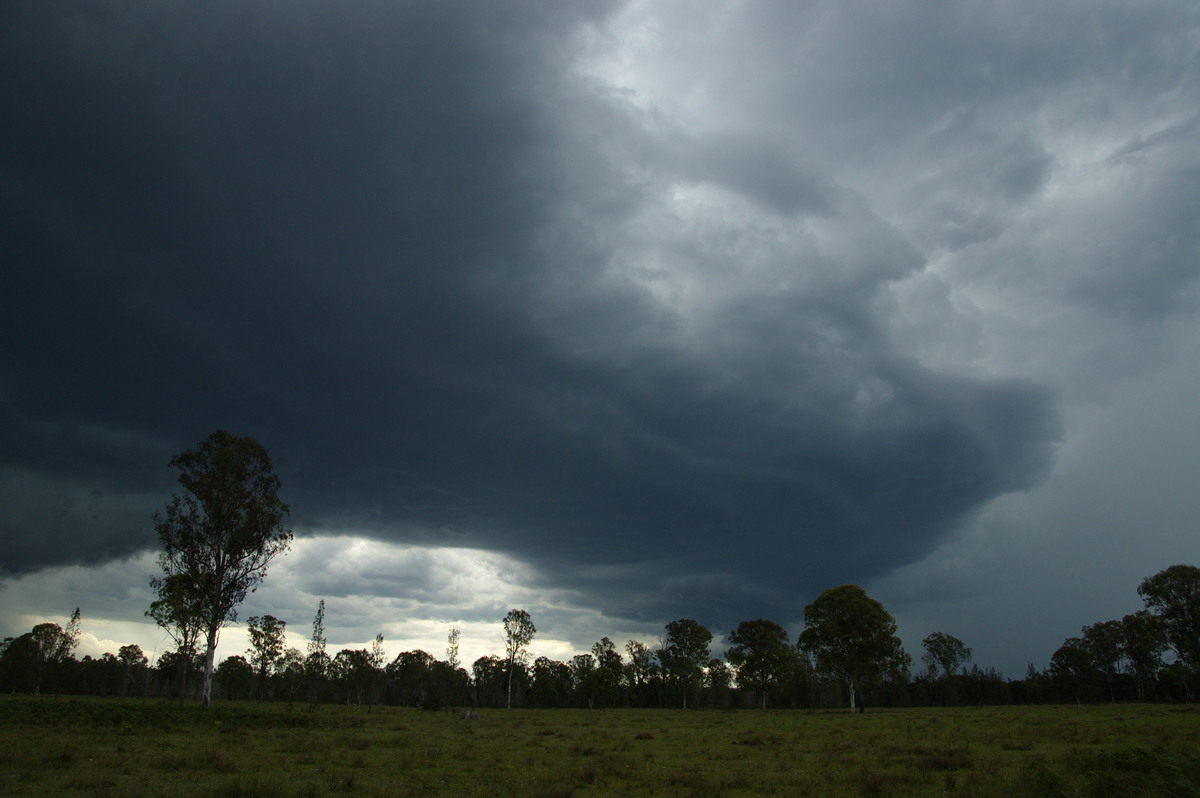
[398,245]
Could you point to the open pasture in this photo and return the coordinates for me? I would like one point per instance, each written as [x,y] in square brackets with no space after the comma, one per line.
[100,747]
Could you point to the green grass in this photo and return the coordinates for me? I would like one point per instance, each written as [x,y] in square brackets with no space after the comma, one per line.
[100,747]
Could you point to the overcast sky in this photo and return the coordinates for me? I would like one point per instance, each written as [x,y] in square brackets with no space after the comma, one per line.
[619,312]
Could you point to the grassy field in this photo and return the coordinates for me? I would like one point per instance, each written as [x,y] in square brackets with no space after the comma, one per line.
[101,747]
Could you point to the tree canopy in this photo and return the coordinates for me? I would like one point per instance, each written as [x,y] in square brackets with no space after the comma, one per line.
[851,636]
[685,652]
[1173,594]
[266,647]
[946,652]
[518,633]
[760,653]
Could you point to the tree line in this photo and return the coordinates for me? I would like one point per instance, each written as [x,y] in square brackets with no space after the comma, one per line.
[221,534]
[847,655]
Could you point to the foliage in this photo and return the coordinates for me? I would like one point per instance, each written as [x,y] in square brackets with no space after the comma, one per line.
[518,634]
[718,681]
[1143,641]
[552,683]
[220,535]
[132,656]
[409,672]
[642,672]
[1073,665]
[1117,661]
[684,653]
[70,636]
[609,671]
[357,672]
[583,682]
[316,664]
[51,646]
[489,674]
[20,665]
[946,652]
[178,611]
[761,654]
[291,673]
[1173,595]
[266,647]
[235,677]
[134,669]
[416,679]
[1104,641]
[852,637]
[452,638]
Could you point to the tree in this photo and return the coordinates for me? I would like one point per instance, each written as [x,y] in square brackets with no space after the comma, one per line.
[222,533]
[377,658]
[235,676]
[108,671]
[178,612]
[316,664]
[409,673]
[71,635]
[180,666]
[717,678]
[801,681]
[852,637]
[1103,641]
[452,647]
[488,674]
[417,679]
[946,652]
[290,667]
[641,668]
[52,645]
[1143,641]
[684,653]
[355,670]
[583,677]
[552,683]
[761,653]
[20,664]
[1073,666]
[518,634]
[447,686]
[1173,595]
[266,647]
[609,669]
[133,661]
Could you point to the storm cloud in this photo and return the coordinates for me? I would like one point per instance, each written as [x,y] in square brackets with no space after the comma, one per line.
[690,311]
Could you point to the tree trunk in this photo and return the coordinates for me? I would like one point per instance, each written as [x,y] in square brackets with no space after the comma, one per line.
[851,683]
[181,668]
[209,657]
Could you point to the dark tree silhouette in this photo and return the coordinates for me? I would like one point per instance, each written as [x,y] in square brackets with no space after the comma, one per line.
[220,535]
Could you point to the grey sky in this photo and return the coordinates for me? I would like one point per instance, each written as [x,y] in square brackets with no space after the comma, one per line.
[647,310]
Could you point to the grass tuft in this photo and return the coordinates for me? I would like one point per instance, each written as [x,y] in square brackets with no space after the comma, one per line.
[251,787]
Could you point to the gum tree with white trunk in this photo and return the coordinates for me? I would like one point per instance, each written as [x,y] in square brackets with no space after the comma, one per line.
[222,532]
